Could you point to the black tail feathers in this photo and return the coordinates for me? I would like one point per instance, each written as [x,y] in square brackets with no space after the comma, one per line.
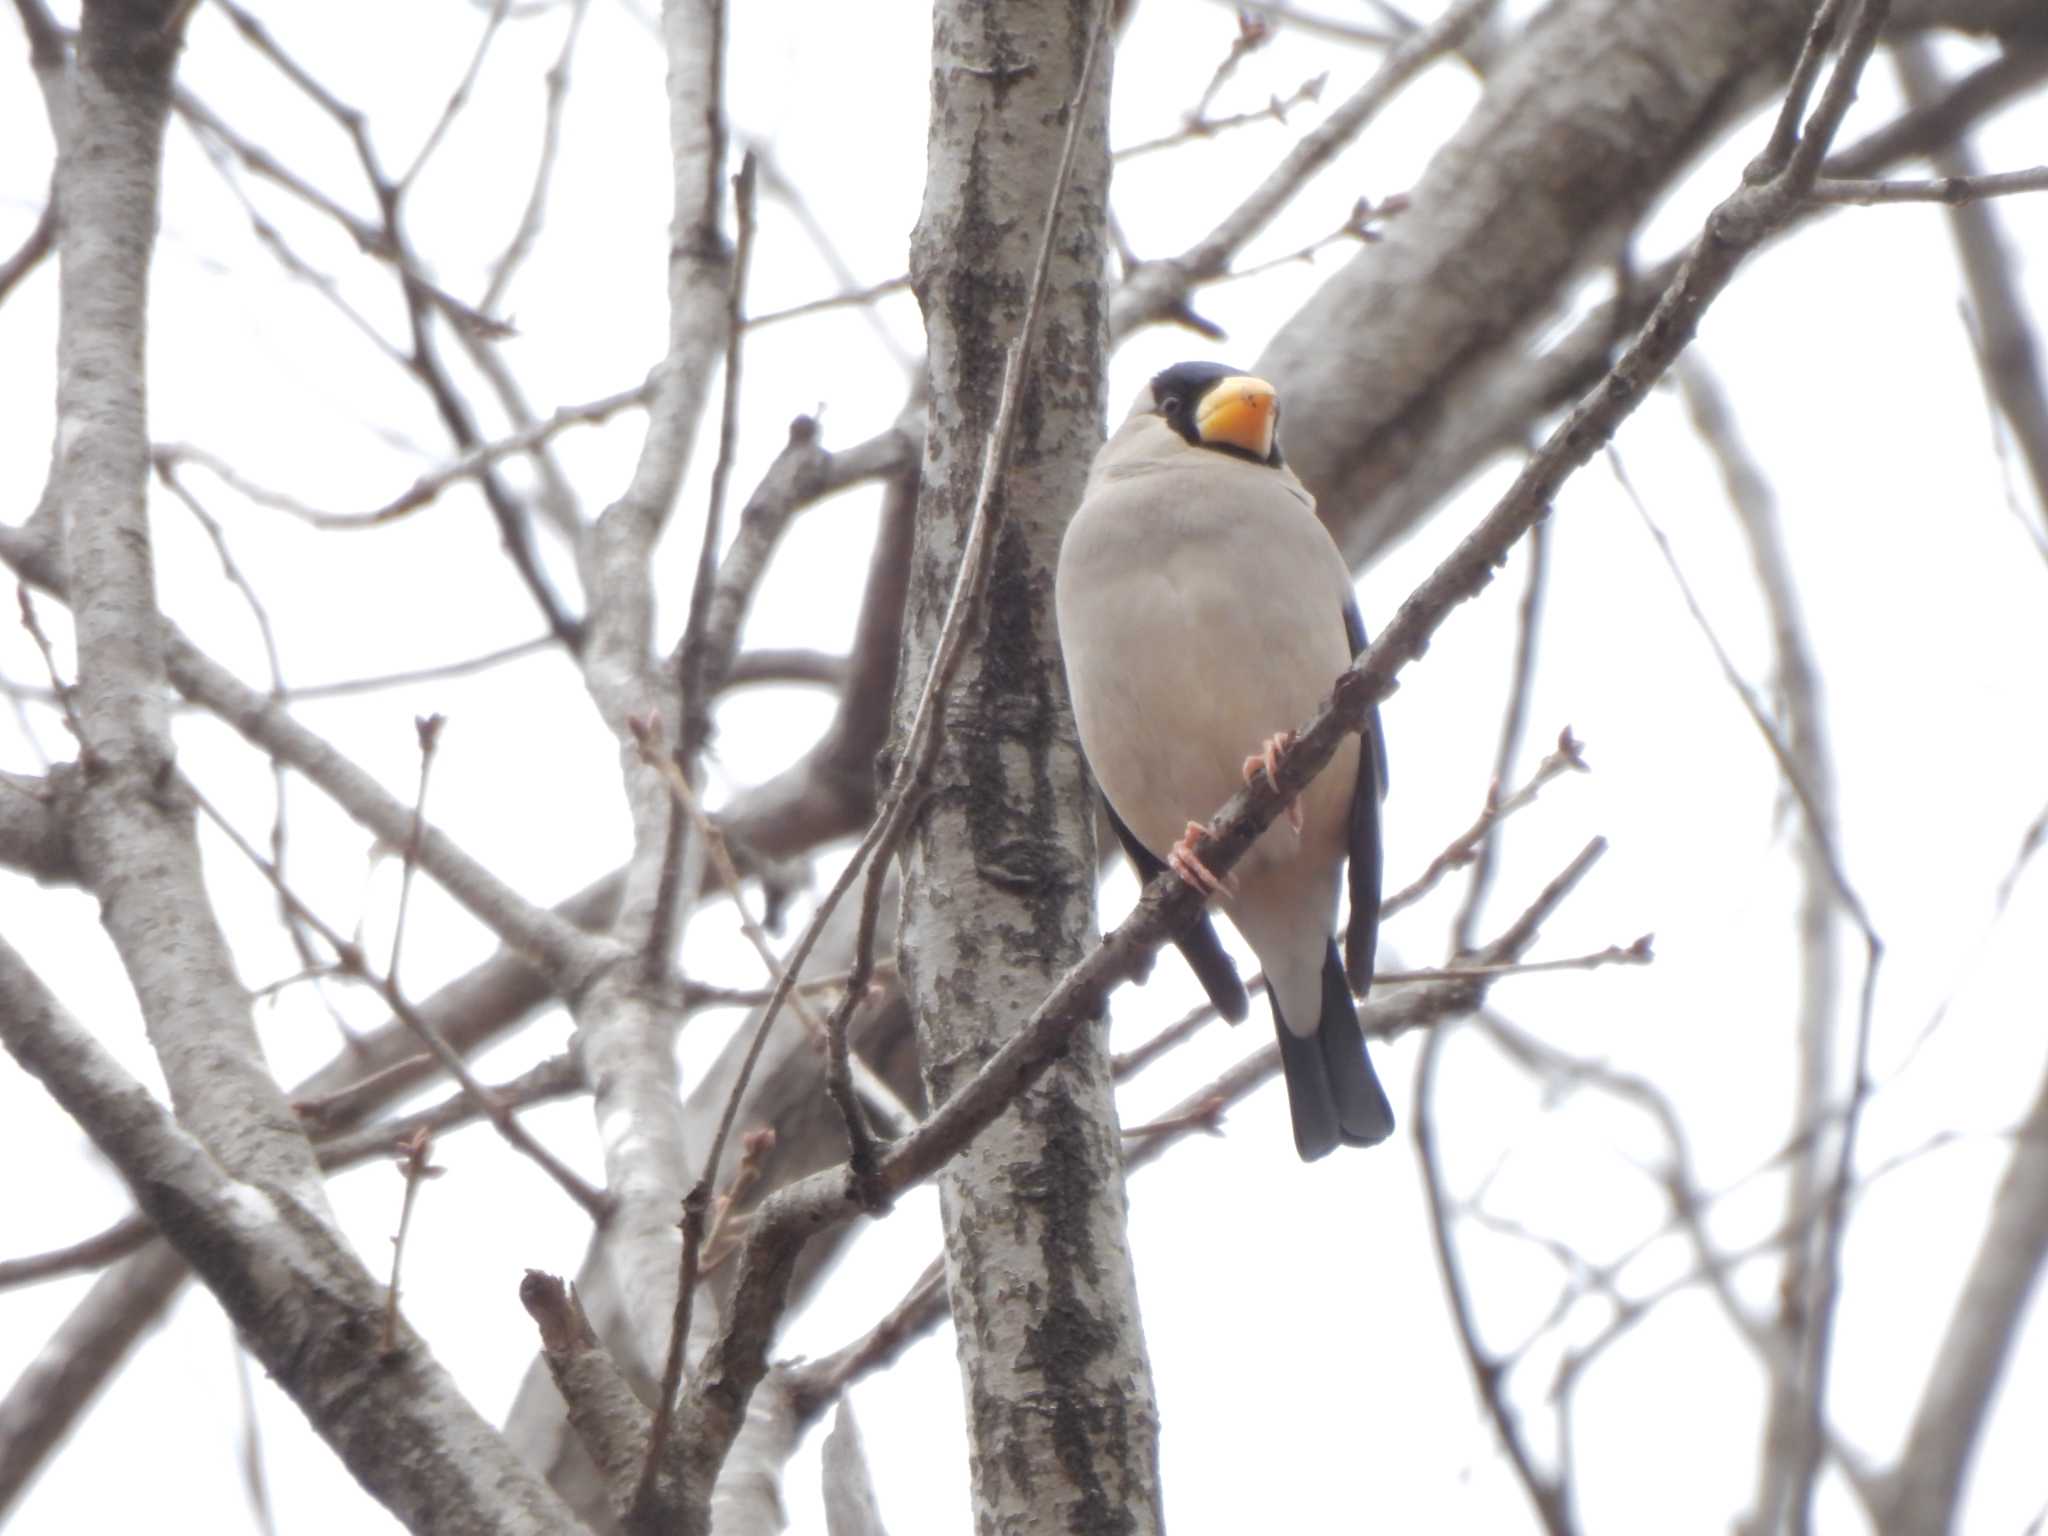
[1335,1097]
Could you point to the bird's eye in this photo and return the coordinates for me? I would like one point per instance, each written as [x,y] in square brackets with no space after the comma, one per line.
[1170,405]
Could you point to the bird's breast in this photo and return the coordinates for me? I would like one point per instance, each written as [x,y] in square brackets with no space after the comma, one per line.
[1188,649]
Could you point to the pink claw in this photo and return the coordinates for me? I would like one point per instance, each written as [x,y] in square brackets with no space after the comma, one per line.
[1267,762]
[1185,862]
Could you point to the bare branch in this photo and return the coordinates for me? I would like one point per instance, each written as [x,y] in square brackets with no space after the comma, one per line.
[1550,1494]
[1954,191]
[352,961]
[521,244]
[609,1419]
[1163,290]
[557,1077]
[457,98]
[292,1288]
[1923,1490]
[1566,757]
[441,673]
[134,840]
[57,1387]
[1514,720]
[1797,690]
[1319,26]
[473,463]
[1275,111]
[2007,347]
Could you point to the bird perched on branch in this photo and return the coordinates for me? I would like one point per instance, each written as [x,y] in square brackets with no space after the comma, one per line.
[1203,612]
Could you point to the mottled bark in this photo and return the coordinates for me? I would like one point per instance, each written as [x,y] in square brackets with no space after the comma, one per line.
[1000,870]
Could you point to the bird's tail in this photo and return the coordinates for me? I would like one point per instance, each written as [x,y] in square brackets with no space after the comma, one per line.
[1335,1097]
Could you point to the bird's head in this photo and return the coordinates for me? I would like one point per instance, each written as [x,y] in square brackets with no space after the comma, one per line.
[1217,407]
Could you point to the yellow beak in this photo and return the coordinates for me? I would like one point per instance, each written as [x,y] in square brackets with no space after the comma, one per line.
[1241,412]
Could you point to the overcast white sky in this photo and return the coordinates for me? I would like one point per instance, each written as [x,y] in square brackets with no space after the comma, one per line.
[1307,1375]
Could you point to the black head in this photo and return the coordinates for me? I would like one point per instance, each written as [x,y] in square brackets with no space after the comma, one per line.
[1220,408]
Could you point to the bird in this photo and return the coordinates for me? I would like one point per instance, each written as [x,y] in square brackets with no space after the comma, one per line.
[1203,611]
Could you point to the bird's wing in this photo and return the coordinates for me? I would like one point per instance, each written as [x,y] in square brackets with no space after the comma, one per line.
[1362,931]
[1199,945]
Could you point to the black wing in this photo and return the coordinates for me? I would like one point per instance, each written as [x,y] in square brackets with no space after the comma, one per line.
[1362,932]
[1203,951]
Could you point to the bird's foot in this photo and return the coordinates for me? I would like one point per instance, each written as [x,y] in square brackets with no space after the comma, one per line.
[1267,762]
[1185,862]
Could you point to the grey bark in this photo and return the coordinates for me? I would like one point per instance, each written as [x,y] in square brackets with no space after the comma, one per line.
[1000,870]
[132,824]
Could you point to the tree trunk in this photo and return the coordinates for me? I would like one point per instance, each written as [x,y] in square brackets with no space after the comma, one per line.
[1000,869]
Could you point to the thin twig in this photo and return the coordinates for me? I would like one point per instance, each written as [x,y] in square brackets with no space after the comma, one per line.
[815,1384]
[850,297]
[457,98]
[1566,757]
[1639,952]
[1777,151]
[1274,111]
[1315,25]
[1549,1494]
[1825,1282]
[440,673]
[1514,721]
[350,956]
[1363,223]
[1796,686]
[1951,190]
[695,726]
[719,1242]
[528,230]
[480,458]
[821,235]
[556,1078]
[880,1098]
[1162,290]
[696,1205]
[166,467]
[416,1169]
[1386,1015]
[2003,335]
[428,729]
[65,692]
